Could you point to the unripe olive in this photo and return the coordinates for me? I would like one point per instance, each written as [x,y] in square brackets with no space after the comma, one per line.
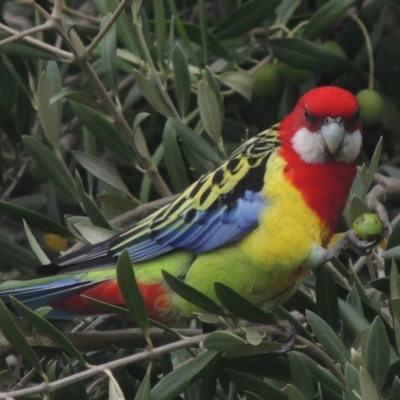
[369,227]
[268,82]
[371,107]
[294,75]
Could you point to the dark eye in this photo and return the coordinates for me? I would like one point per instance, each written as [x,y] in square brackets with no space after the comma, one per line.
[356,116]
[308,116]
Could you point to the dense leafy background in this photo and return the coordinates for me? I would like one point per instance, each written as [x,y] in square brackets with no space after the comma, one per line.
[101,114]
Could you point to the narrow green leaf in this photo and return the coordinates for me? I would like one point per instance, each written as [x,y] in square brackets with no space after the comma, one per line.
[303,54]
[91,208]
[141,145]
[246,17]
[286,9]
[160,28]
[293,393]
[39,253]
[301,375]
[352,381]
[130,292]
[368,389]
[182,78]
[93,234]
[48,114]
[320,374]
[352,320]
[328,338]
[356,208]
[108,47]
[354,300]
[16,338]
[239,81]
[257,386]
[394,252]
[144,392]
[241,307]
[174,160]
[214,86]
[51,165]
[396,388]
[192,295]
[223,342]
[252,396]
[210,113]
[33,218]
[78,97]
[26,50]
[109,308]
[373,165]
[55,80]
[152,95]
[101,170]
[325,17]
[48,329]
[393,241]
[326,296]
[182,378]
[139,119]
[194,141]
[101,127]
[378,353]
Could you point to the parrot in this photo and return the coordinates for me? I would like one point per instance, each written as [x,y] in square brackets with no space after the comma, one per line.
[258,223]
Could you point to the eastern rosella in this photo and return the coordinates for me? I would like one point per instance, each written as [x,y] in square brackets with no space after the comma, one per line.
[257,223]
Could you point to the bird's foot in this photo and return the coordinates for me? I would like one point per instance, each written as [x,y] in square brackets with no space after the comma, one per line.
[288,337]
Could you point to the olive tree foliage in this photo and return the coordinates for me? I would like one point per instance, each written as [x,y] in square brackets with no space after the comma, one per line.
[108,105]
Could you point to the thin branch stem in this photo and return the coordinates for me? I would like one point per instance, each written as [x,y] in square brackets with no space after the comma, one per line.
[21,35]
[107,27]
[369,50]
[51,49]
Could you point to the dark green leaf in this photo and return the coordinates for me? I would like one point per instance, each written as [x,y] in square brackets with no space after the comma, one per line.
[328,338]
[293,393]
[49,113]
[101,127]
[48,329]
[51,165]
[75,390]
[181,378]
[241,307]
[110,308]
[378,353]
[214,86]
[223,342]
[255,385]
[16,338]
[209,112]
[182,78]
[109,53]
[301,375]
[354,300]
[352,381]
[39,253]
[194,141]
[91,208]
[352,320]
[34,219]
[326,296]
[373,165]
[246,17]
[160,28]
[394,252]
[152,95]
[173,159]
[320,374]
[396,388]
[252,396]
[26,50]
[303,54]
[192,295]
[144,392]
[78,97]
[101,170]
[393,241]
[131,293]
[325,17]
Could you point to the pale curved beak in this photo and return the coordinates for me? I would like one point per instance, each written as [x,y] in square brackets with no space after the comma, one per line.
[333,132]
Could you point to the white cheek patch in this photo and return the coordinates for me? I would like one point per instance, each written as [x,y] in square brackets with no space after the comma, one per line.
[351,147]
[312,149]
[309,146]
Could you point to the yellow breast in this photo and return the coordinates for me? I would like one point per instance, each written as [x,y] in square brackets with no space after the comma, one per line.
[288,227]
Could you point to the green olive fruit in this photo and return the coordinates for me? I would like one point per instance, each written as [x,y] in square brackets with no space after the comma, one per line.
[335,48]
[369,227]
[371,107]
[294,75]
[268,82]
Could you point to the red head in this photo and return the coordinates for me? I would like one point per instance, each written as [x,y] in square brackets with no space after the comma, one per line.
[324,126]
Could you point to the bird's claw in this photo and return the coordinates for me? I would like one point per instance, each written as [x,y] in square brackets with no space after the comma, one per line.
[288,337]
[360,246]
